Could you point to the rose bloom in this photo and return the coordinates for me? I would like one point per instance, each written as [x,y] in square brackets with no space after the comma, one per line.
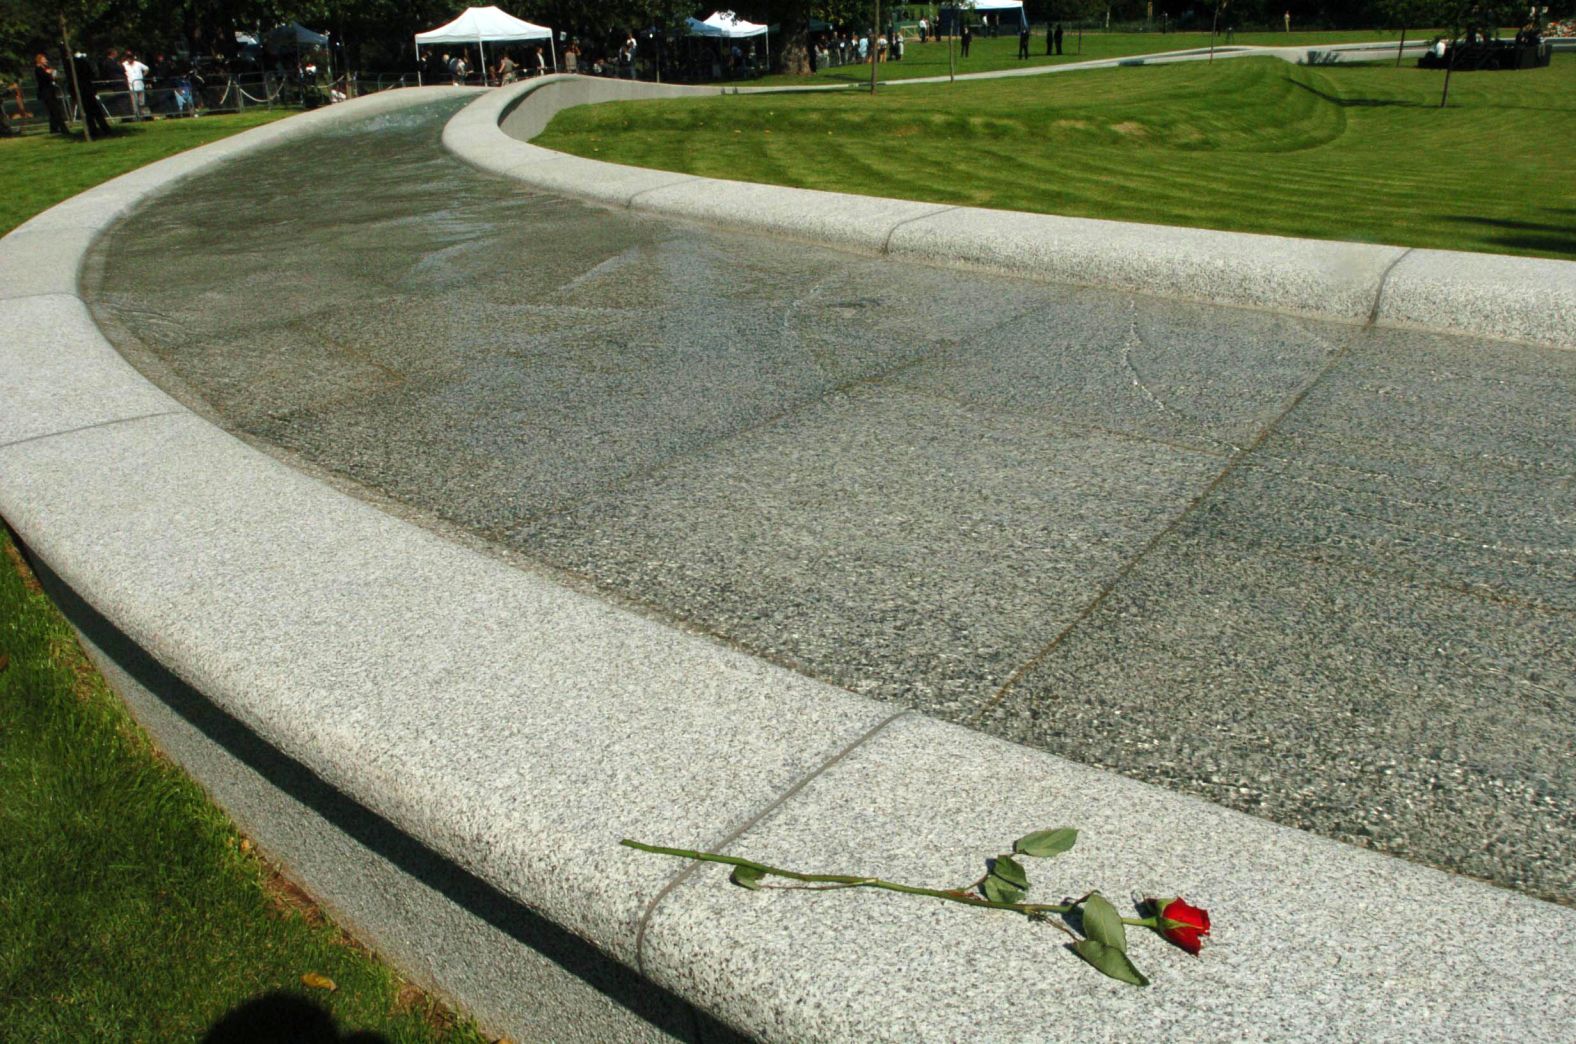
[1181,923]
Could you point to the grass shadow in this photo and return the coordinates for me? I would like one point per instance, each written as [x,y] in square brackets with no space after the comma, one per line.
[1529,236]
[1361,103]
[1520,226]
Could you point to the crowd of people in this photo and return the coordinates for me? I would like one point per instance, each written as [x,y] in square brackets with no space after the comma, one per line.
[508,64]
[118,84]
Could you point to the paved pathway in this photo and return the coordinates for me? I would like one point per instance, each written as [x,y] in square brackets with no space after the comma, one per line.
[1318,573]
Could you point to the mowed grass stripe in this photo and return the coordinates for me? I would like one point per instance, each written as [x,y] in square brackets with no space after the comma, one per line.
[1338,152]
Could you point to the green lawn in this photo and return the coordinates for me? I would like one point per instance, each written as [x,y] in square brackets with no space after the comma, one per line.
[41,170]
[987,54]
[1356,152]
[128,909]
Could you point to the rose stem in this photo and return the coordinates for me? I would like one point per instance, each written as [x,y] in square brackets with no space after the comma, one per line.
[853,881]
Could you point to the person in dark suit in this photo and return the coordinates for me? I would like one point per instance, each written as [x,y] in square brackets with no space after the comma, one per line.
[1050,39]
[1058,38]
[964,37]
[1023,42]
[86,93]
[49,95]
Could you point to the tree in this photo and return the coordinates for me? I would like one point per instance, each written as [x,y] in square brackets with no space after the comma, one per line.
[1409,13]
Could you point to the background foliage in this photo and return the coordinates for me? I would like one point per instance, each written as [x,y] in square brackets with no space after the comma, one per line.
[376,34]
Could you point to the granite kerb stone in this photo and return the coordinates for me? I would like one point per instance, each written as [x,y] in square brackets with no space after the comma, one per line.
[1501,297]
[1312,939]
[61,374]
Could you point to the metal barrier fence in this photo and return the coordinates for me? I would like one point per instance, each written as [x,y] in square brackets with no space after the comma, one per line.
[177,98]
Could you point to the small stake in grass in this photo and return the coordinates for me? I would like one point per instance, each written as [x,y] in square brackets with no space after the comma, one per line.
[1003,886]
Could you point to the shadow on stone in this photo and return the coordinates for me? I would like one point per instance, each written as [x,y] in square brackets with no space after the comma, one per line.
[655,1005]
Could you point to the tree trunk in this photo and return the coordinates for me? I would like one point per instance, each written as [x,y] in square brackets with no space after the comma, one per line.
[1400,47]
[794,17]
[1448,66]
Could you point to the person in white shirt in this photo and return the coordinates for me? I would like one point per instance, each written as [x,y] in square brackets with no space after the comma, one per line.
[136,84]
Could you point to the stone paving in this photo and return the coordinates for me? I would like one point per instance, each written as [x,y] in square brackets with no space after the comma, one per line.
[1323,574]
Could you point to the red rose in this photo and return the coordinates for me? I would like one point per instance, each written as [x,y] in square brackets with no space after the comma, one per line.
[1180,923]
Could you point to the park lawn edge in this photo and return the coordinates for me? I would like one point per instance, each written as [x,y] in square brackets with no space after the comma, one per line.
[1343,166]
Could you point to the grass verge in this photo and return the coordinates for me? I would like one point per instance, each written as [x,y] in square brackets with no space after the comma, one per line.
[130,909]
[1357,152]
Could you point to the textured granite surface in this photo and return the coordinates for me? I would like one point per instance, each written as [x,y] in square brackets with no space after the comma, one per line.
[47,389]
[1311,940]
[446,930]
[518,728]
[1522,298]
[1367,628]
[987,498]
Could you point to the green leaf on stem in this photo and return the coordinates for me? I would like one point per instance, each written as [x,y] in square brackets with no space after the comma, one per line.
[1102,923]
[1110,961]
[999,891]
[1043,843]
[748,877]
[1010,870]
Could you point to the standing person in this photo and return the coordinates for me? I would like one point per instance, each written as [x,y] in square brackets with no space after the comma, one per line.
[49,95]
[572,57]
[109,70]
[507,69]
[1058,38]
[136,85]
[538,63]
[1023,42]
[965,37]
[1288,19]
[924,29]
[86,93]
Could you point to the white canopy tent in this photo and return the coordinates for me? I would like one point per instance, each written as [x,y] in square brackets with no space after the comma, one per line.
[484,25]
[725,25]
[993,7]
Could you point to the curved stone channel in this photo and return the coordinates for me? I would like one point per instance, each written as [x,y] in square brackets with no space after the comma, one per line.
[1317,573]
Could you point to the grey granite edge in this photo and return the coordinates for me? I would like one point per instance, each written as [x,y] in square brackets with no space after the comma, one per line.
[1345,281]
[749,822]
[43,523]
[900,806]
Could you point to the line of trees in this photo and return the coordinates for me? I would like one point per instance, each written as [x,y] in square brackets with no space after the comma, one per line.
[376,34]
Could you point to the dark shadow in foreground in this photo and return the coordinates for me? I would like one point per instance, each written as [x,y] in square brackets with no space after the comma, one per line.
[283,1018]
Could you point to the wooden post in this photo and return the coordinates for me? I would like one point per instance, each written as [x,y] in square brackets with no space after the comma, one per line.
[76,86]
[875,49]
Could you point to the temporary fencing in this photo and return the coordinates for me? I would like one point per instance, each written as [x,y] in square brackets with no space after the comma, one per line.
[185,97]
